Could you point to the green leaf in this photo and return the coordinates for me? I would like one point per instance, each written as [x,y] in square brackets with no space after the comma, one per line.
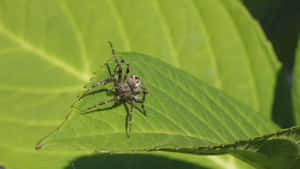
[181,111]
[183,115]
[296,85]
[49,49]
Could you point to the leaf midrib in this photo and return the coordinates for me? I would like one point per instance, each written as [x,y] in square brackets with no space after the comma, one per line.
[32,150]
[123,134]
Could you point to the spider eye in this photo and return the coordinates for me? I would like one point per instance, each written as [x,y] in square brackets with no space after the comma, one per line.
[135,77]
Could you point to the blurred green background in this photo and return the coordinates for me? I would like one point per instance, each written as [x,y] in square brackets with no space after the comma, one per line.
[280,20]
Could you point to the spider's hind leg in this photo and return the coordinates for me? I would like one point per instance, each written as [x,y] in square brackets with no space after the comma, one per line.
[115,99]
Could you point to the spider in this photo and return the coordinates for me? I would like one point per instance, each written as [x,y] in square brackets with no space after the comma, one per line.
[126,88]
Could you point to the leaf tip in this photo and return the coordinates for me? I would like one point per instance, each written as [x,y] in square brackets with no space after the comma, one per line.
[38,146]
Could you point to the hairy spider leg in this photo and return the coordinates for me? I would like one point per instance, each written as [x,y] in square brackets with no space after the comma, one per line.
[130,117]
[140,100]
[120,71]
[102,82]
[115,71]
[112,90]
[115,99]
[127,70]
[145,91]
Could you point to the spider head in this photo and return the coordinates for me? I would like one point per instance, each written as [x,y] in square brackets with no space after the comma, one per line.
[134,81]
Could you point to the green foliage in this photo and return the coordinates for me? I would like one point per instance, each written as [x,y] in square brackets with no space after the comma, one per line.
[48,50]
[296,85]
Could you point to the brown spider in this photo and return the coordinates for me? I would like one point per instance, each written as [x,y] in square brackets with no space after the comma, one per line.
[125,89]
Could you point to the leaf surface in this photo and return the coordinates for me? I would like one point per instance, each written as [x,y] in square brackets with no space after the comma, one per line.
[181,111]
[183,115]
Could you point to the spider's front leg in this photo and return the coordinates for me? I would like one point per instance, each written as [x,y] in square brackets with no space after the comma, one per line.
[127,70]
[120,71]
[102,82]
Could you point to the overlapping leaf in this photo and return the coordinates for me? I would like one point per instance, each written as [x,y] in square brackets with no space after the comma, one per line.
[296,86]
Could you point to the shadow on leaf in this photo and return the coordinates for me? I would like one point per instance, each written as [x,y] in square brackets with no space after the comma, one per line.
[282,113]
[132,161]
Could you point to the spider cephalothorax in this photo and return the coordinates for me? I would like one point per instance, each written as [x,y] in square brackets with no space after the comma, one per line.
[126,89]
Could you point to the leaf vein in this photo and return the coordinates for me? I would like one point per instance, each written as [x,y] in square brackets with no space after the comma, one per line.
[252,76]
[78,35]
[213,55]
[43,54]
[37,90]
[167,29]
[194,114]
[122,29]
